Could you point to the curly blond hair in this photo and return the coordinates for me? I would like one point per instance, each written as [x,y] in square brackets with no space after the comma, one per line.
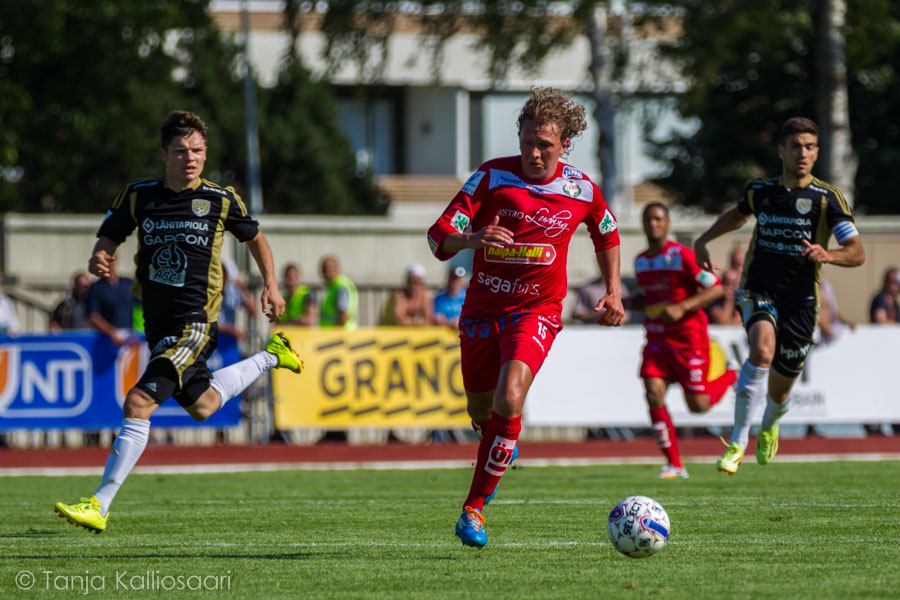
[550,105]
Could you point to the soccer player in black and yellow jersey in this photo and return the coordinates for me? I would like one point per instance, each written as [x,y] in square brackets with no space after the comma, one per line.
[181,220]
[796,214]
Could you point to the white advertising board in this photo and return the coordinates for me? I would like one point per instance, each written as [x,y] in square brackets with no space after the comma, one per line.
[591,379]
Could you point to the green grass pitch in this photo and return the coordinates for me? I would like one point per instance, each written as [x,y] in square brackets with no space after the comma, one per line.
[788,530]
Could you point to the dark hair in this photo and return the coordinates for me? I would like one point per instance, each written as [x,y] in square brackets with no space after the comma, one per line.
[549,105]
[796,125]
[655,204]
[180,123]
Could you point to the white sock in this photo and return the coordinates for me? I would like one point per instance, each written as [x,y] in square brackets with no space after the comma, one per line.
[232,380]
[774,412]
[126,451]
[751,386]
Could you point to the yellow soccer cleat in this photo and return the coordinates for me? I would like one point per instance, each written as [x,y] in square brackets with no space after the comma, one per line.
[85,513]
[766,445]
[280,346]
[732,458]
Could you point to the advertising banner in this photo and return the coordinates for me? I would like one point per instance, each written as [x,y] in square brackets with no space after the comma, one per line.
[591,378]
[79,380]
[388,376]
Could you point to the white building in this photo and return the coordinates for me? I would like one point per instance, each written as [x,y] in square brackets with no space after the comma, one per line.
[422,138]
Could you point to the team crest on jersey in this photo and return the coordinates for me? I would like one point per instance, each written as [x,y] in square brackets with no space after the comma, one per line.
[804,205]
[572,189]
[460,221]
[572,173]
[608,223]
[200,207]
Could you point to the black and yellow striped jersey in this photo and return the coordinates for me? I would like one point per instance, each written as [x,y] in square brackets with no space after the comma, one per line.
[775,265]
[178,266]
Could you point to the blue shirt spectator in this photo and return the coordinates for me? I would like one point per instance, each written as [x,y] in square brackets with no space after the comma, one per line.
[449,301]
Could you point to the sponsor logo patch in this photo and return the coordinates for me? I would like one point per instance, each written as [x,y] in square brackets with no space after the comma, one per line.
[433,245]
[169,265]
[706,279]
[572,173]
[472,183]
[530,254]
[608,223]
[460,221]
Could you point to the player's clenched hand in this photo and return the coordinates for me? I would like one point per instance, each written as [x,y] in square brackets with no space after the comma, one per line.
[610,310]
[272,303]
[101,264]
[815,252]
[492,235]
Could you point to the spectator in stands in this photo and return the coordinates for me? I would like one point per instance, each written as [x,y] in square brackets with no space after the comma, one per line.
[72,312]
[884,309]
[724,310]
[235,295]
[449,301]
[302,303]
[111,308]
[586,300]
[413,304]
[340,302]
[9,322]
[832,323]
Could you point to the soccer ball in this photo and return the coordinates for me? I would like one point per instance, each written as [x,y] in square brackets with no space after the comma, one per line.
[638,526]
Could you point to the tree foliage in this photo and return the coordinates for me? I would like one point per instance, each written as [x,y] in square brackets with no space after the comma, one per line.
[84,86]
[751,67]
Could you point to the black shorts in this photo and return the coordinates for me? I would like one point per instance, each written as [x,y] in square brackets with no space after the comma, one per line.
[794,328]
[177,365]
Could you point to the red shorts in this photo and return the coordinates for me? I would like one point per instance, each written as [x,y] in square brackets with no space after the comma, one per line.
[486,343]
[688,367]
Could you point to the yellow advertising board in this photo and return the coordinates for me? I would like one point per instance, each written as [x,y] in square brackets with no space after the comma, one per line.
[384,376]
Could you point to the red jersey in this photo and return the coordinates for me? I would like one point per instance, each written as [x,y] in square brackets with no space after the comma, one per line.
[666,278]
[530,273]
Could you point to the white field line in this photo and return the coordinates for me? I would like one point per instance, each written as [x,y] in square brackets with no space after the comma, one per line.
[413,464]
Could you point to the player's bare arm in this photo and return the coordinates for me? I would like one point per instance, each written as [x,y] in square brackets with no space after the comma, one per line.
[102,257]
[493,235]
[609,307]
[271,299]
[850,254]
[728,221]
[672,313]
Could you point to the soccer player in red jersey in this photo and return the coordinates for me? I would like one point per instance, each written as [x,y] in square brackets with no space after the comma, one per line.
[519,214]
[677,349]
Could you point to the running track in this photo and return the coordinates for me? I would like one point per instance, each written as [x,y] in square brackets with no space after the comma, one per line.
[276,456]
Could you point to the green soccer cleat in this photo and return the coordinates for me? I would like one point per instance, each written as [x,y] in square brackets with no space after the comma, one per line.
[766,445]
[280,346]
[84,513]
[732,458]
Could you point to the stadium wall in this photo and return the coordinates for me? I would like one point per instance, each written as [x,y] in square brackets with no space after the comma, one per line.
[40,253]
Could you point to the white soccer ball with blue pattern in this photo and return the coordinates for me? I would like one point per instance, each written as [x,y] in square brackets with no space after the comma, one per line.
[638,526]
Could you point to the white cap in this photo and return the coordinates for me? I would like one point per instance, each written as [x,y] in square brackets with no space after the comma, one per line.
[415,269]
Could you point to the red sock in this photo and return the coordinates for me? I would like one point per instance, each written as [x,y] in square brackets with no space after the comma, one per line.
[479,427]
[717,387]
[494,454]
[664,431]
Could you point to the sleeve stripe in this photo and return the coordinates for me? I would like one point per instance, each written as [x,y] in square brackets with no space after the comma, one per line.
[844,230]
